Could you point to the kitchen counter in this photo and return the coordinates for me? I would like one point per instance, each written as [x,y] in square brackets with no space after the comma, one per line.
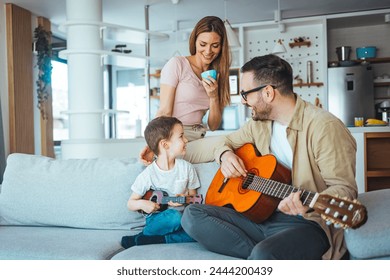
[369,129]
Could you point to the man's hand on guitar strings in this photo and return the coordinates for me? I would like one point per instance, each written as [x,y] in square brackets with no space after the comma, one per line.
[292,205]
[232,166]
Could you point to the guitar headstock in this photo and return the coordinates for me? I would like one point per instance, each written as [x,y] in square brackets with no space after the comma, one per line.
[341,212]
[194,199]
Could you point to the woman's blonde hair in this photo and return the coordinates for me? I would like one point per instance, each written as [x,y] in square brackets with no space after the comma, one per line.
[222,62]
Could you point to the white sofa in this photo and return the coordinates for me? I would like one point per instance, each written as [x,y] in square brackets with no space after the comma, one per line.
[75,209]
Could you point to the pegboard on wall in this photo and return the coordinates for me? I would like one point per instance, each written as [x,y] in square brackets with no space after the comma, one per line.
[261,41]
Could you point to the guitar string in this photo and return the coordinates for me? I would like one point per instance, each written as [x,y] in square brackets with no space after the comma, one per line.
[276,189]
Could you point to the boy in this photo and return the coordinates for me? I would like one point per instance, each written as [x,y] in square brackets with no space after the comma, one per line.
[177,177]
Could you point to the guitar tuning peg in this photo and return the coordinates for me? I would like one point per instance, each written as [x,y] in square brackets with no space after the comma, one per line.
[337,225]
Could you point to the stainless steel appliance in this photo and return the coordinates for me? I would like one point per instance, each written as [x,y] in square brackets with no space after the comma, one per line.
[384,108]
[351,93]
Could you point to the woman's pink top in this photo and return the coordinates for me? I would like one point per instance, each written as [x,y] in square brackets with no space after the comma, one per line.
[191,100]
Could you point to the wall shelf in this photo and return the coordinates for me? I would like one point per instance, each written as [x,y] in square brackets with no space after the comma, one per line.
[386,84]
[118,32]
[375,60]
[63,54]
[299,44]
[309,85]
[112,58]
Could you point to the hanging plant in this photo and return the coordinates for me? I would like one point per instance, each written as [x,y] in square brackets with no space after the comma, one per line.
[44,54]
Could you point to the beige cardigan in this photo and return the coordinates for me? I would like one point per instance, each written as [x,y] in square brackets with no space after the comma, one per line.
[324,158]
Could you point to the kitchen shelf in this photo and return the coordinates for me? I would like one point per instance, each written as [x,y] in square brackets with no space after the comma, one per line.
[309,85]
[382,84]
[299,44]
[375,60]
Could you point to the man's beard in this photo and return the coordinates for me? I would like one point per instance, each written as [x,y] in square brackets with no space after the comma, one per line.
[261,114]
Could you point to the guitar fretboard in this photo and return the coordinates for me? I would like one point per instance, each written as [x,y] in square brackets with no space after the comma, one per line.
[276,189]
[175,199]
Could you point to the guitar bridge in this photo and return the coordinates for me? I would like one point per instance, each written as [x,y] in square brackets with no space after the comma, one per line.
[223,185]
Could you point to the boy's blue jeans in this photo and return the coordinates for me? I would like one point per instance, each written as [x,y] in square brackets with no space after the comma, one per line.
[167,223]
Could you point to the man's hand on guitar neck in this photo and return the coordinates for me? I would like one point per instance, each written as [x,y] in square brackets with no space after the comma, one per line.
[232,166]
[292,205]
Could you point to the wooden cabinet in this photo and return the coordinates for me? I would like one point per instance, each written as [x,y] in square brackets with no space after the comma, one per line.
[377,160]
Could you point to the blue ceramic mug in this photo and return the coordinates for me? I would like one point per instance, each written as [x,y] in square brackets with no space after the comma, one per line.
[212,73]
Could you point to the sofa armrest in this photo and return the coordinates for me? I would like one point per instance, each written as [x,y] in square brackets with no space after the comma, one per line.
[372,240]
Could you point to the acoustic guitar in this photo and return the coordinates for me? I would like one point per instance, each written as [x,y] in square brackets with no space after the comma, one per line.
[162,198]
[258,194]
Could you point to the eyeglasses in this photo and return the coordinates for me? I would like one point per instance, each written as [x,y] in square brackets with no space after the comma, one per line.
[245,93]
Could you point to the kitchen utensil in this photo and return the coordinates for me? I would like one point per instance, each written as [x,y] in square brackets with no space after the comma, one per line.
[385,108]
[366,52]
[309,71]
[385,105]
[343,53]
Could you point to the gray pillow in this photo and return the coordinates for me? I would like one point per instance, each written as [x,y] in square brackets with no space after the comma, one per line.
[80,193]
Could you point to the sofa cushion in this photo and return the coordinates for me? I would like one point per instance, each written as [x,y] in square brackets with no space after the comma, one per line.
[206,172]
[372,240]
[172,251]
[57,243]
[80,193]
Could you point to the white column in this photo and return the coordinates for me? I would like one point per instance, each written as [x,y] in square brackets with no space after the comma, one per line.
[85,71]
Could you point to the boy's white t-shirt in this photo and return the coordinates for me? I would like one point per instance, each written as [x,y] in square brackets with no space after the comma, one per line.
[178,180]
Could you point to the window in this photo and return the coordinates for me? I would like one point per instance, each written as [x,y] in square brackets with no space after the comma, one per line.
[59,80]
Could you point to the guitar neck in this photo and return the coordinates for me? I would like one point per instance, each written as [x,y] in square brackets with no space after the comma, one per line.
[175,199]
[277,189]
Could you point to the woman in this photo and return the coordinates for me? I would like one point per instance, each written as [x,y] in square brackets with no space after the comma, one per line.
[184,94]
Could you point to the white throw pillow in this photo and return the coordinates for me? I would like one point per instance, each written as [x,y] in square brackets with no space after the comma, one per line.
[80,193]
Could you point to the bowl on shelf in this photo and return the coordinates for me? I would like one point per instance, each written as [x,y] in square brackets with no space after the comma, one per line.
[366,52]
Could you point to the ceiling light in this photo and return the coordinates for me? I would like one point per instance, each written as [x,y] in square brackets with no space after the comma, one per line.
[279,47]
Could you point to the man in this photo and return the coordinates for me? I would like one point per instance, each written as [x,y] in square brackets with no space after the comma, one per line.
[315,145]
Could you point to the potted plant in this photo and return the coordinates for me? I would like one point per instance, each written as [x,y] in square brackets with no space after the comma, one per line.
[44,54]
